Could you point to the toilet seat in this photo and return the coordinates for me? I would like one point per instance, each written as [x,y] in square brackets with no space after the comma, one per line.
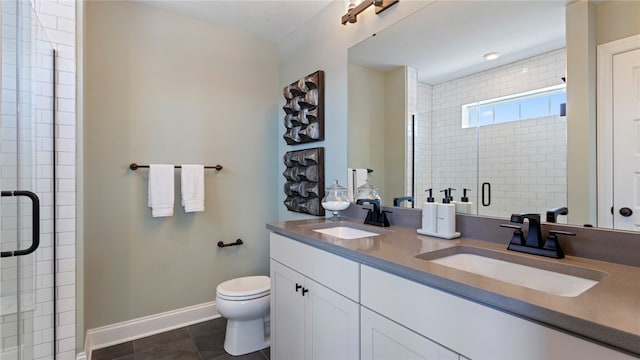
[244,288]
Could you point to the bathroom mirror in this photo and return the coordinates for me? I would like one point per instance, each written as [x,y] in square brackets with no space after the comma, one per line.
[441,46]
[426,110]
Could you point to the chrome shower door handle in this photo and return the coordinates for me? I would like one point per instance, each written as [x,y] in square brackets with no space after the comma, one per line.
[35,219]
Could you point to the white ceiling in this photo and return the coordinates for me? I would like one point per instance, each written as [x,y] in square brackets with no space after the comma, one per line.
[267,19]
[443,40]
[447,39]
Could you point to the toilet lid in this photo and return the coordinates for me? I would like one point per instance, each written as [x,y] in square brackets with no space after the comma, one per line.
[245,286]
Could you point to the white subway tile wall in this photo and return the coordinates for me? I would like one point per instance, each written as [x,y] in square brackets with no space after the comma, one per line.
[524,161]
[422,143]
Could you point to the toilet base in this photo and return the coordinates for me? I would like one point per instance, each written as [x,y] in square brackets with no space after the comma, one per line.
[245,336]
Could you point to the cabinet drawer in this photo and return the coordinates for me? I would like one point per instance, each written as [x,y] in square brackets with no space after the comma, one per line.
[332,271]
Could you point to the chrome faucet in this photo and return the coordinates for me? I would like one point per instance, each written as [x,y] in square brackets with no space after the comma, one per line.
[532,243]
[375,216]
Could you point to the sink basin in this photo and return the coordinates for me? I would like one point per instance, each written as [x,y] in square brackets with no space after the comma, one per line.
[550,277]
[345,232]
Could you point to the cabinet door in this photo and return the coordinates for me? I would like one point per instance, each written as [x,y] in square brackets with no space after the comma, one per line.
[287,313]
[331,324]
[385,339]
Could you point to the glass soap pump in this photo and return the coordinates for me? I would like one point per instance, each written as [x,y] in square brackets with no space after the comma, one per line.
[336,200]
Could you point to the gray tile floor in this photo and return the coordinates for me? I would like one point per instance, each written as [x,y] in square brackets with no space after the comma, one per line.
[203,341]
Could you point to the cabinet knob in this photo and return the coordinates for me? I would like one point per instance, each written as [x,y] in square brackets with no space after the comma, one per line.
[626,212]
[298,286]
[304,291]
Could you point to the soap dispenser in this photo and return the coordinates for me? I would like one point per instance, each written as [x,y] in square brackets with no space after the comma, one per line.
[464,205]
[429,212]
[446,218]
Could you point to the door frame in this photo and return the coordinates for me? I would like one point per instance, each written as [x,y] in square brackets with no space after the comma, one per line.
[604,123]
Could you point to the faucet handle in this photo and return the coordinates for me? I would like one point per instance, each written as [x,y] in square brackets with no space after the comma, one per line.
[552,242]
[518,235]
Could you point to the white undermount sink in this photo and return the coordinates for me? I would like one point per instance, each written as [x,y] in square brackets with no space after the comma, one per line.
[345,232]
[550,277]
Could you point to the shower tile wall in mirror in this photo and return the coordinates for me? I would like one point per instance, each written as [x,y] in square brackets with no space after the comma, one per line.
[304,108]
[305,180]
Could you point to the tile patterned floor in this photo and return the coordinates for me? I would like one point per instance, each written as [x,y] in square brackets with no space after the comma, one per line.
[203,341]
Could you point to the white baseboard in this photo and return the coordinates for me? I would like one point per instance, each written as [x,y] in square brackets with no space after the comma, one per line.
[81,356]
[149,325]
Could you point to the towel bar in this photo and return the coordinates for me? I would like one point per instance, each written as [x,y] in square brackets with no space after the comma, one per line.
[238,242]
[368,170]
[134,166]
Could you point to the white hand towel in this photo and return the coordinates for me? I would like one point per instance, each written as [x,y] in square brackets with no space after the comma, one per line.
[350,175]
[360,179]
[161,190]
[192,185]
[355,179]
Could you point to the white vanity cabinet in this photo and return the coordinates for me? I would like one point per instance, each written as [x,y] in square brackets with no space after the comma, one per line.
[314,303]
[470,329]
[324,306]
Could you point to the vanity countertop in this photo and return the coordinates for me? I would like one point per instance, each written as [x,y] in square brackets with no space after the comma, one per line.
[608,313]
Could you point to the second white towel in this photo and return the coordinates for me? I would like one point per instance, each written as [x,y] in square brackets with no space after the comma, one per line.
[161,190]
[192,186]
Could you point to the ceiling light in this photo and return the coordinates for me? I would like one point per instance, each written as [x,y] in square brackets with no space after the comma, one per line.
[355,7]
[492,56]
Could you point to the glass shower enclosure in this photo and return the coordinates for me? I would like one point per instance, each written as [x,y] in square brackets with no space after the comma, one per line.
[27,180]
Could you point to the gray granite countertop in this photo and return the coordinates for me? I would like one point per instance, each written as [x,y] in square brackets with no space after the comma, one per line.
[608,313]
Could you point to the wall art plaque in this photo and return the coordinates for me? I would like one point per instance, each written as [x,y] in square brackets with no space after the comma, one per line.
[304,109]
[305,180]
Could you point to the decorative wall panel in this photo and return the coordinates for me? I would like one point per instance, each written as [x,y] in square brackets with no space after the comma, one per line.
[305,180]
[304,108]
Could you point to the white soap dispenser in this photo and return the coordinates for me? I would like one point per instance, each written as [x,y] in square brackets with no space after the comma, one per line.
[429,212]
[446,218]
[464,205]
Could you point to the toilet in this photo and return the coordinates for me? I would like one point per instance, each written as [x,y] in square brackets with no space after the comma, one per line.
[245,303]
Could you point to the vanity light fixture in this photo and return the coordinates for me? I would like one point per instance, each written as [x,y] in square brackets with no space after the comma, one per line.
[353,9]
[491,56]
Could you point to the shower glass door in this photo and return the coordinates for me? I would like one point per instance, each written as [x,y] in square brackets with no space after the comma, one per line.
[27,183]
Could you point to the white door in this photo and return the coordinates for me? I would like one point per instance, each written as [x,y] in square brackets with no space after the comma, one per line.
[618,134]
[626,140]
